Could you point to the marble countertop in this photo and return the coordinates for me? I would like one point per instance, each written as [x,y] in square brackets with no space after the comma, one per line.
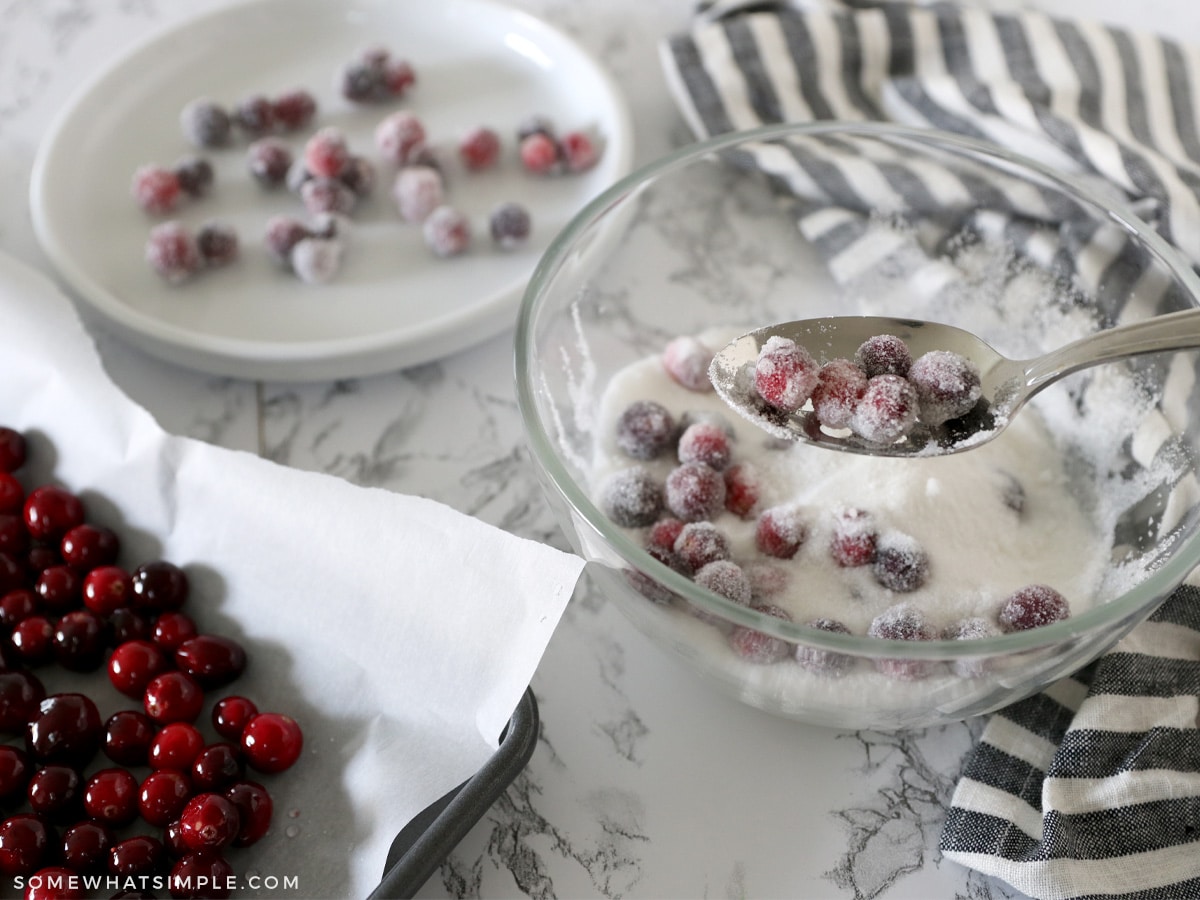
[643,784]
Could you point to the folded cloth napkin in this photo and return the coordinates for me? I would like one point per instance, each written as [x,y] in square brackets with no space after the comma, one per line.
[1091,788]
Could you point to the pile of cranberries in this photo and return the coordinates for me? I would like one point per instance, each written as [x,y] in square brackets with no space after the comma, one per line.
[679,518]
[145,792]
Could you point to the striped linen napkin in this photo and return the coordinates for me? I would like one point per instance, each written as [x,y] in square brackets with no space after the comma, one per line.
[1091,788]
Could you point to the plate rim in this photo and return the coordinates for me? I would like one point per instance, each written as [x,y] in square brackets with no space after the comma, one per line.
[307,360]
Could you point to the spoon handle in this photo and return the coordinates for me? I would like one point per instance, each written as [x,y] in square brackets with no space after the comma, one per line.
[1174,331]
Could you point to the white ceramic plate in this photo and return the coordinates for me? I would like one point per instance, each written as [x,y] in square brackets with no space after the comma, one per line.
[394,303]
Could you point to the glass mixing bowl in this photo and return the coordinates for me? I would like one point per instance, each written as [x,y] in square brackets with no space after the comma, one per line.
[789,222]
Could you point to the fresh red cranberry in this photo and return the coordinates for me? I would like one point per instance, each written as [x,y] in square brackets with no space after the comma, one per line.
[127,625]
[757,646]
[53,883]
[209,822]
[163,795]
[900,563]
[840,386]
[727,579]
[155,189]
[272,742]
[33,640]
[540,154]
[26,844]
[79,641]
[134,664]
[294,110]
[66,729]
[254,807]
[54,793]
[171,629]
[17,605]
[883,354]
[203,874]
[707,443]
[780,531]
[947,385]
[578,151]
[107,589]
[785,373]
[137,855]
[645,429]
[479,149]
[218,766]
[687,360]
[20,694]
[212,660]
[1033,606]
[128,735]
[902,623]
[173,840]
[631,497]
[86,546]
[176,746]
[85,847]
[742,487]
[111,797]
[230,716]
[13,574]
[14,536]
[50,512]
[59,588]
[694,492]
[42,556]
[15,771]
[12,494]
[854,536]
[173,697]
[700,543]
[13,449]
[887,410]
[159,586]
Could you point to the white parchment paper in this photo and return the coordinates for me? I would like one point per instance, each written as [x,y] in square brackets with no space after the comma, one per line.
[397,631]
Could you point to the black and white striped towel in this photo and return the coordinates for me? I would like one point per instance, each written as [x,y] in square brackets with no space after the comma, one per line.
[1091,788]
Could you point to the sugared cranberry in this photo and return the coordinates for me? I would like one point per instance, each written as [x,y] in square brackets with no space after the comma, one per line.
[171,629]
[205,124]
[127,625]
[195,174]
[540,154]
[134,664]
[947,385]
[209,822]
[230,716]
[417,191]
[663,533]
[272,742]
[854,535]
[900,563]
[163,795]
[255,115]
[13,449]
[59,588]
[159,586]
[268,160]
[15,771]
[700,543]
[155,189]
[326,153]
[26,844]
[211,659]
[128,735]
[17,605]
[631,497]
[173,253]
[173,697]
[883,354]
[254,807]
[321,195]
[218,243]
[218,766]
[85,847]
[33,640]
[645,429]
[176,746]
[727,579]
[687,360]
[398,76]
[203,874]
[509,224]
[136,856]
[317,260]
[902,623]
[87,546]
[766,579]
[282,234]
[971,629]
[54,793]
[694,491]
[65,729]
[826,661]
[780,531]
[758,646]
[840,386]
[50,512]
[12,494]
[399,136]
[1033,606]
[887,410]
[479,148]
[294,110]
[784,373]
[79,641]
[705,442]
[447,231]
[578,151]
[20,695]
[110,797]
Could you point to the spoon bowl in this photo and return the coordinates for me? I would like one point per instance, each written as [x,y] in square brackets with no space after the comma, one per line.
[1005,384]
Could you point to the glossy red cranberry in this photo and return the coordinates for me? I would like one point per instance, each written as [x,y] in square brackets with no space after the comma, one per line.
[254,806]
[176,746]
[53,883]
[50,512]
[12,495]
[201,875]
[13,449]
[209,822]
[14,537]
[107,589]
[87,546]
[127,625]
[42,556]
[173,628]
[13,573]
[218,766]
[127,737]
[137,855]
[212,660]
[20,694]
[173,697]
[17,605]
[230,716]
[173,841]
[80,641]
[26,844]
[15,771]
[163,795]
[159,586]
[33,640]
[66,729]
[272,742]
[59,588]
[111,797]
[133,665]
[54,793]
[85,847]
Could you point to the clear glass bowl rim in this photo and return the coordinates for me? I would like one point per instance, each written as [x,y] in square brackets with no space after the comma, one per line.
[1136,603]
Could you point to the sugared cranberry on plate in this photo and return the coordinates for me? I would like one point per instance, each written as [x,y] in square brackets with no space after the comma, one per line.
[447,231]
[294,109]
[399,136]
[172,252]
[509,224]
[218,243]
[254,115]
[578,151]
[205,123]
[540,154]
[195,175]
[156,189]
[479,148]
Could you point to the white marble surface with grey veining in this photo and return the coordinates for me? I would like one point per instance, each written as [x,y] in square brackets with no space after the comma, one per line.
[643,783]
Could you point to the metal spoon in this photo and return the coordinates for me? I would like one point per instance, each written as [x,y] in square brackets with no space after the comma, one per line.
[1006,383]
